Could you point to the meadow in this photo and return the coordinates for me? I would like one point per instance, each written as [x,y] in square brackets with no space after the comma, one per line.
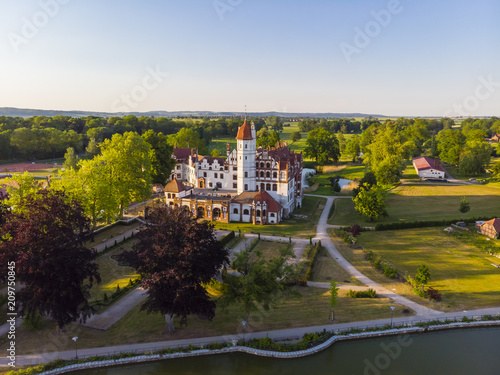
[417,202]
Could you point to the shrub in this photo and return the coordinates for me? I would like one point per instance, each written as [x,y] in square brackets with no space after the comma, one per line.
[370,293]
[227,238]
[434,294]
[420,292]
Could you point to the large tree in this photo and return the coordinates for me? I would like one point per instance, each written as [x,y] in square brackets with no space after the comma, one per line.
[93,184]
[128,157]
[370,202]
[160,156]
[45,240]
[322,146]
[175,255]
[257,281]
[450,145]
[20,186]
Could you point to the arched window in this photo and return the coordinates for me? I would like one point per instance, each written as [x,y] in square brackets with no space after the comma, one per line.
[261,186]
[275,187]
[264,213]
[169,195]
[268,165]
[262,174]
[268,174]
[246,187]
[275,175]
[258,213]
[268,186]
[246,174]
[262,165]
[246,212]
[256,165]
[235,211]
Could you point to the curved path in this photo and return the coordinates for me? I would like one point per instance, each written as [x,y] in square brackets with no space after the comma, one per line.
[322,235]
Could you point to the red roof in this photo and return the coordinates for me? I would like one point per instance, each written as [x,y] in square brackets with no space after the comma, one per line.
[244,132]
[182,153]
[495,223]
[423,163]
[175,186]
[264,196]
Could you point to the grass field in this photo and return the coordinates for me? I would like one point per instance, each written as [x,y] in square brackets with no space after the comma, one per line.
[326,269]
[115,231]
[415,202]
[271,249]
[295,227]
[112,274]
[462,273]
[307,309]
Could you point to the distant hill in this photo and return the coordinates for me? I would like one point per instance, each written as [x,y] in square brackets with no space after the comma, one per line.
[24,112]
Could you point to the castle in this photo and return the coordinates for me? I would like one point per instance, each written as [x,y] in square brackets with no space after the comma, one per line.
[251,185]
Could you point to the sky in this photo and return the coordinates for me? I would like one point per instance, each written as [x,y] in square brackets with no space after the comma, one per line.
[392,57]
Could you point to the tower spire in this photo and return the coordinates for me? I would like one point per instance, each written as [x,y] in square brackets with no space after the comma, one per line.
[245,112]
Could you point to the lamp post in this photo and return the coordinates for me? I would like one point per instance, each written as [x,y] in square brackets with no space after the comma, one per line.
[392,313]
[76,348]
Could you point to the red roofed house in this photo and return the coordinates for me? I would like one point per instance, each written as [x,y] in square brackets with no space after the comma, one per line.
[428,167]
[491,228]
[250,185]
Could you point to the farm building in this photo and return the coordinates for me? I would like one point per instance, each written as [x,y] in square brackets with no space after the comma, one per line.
[491,228]
[428,167]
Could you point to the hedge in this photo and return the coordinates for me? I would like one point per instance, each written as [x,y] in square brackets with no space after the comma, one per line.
[311,254]
[427,223]
[227,238]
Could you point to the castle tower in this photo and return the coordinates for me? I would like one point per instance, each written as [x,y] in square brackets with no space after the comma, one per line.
[246,149]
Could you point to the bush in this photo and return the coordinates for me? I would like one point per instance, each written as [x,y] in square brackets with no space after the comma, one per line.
[370,293]
[423,224]
[420,292]
[378,263]
[227,238]
[434,294]
[310,254]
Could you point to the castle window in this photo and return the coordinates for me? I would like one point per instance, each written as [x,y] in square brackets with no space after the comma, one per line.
[169,195]
[246,212]
[222,175]
[268,174]
[210,184]
[235,177]
[258,213]
[246,174]
[235,186]
[268,165]
[264,213]
[275,187]
[246,187]
[262,174]
[262,187]
[268,186]
[246,158]
[246,146]
[275,175]
[262,165]
[235,211]
[215,175]
[256,165]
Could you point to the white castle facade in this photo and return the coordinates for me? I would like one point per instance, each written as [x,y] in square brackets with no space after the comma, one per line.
[258,185]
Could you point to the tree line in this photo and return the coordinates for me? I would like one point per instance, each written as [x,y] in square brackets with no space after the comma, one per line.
[49,137]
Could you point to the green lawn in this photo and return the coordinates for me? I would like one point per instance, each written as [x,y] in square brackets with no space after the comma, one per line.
[348,171]
[112,274]
[294,227]
[108,234]
[310,308]
[462,273]
[271,249]
[415,202]
[326,269]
